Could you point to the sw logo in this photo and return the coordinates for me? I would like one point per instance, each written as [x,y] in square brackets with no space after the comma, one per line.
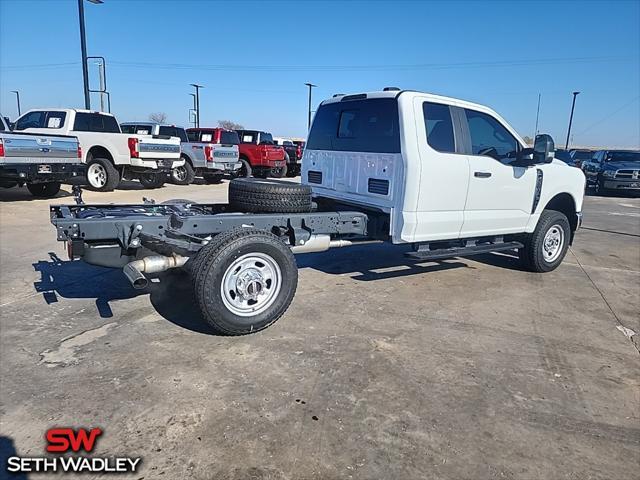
[63,440]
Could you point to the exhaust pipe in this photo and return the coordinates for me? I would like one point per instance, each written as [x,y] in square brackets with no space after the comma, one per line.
[319,243]
[134,271]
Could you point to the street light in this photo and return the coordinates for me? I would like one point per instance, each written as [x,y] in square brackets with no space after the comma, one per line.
[194,109]
[573,105]
[310,85]
[83,47]
[17,100]
[197,87]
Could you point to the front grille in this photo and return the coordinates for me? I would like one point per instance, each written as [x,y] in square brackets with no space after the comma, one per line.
[314,177]
[629,174]
[379,187]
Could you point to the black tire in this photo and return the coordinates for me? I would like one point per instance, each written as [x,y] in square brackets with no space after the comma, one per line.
[244,171]
[532,254]
[44,190]
[105,178]
[184,175]
[178,201]
[269,196]
[213,178]
[225,311]
[278,172]
[152,180]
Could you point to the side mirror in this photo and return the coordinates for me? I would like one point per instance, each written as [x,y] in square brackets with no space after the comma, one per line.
[543,149]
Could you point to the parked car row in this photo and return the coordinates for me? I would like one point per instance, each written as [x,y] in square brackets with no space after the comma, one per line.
[152,153]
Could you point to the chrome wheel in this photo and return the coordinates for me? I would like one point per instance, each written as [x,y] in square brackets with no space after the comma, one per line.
[251,284]
[97,175]
[180,173]
[553,243]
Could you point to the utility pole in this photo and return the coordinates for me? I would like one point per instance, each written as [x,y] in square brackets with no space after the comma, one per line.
[573,106]
[197,87]
[17,100]
[310,85]
[537,116]
[83,47]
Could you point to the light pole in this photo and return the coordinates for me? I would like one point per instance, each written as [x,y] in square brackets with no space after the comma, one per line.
[197,87]
[537,116]
[17,100]
[83,47]
[573,106]
[310,85]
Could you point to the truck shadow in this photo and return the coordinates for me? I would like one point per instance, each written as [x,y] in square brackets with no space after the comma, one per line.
[169,293]
[8,450]
[21,194]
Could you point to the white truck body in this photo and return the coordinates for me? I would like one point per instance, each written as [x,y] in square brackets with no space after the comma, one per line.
[100,137]
[430,194]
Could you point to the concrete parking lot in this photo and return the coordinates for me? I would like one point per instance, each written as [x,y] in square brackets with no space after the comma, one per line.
[382,368]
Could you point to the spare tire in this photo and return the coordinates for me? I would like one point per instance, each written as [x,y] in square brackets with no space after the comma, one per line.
[269,196]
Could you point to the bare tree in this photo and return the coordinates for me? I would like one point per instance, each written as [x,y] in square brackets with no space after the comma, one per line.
[158,117]
[229,125]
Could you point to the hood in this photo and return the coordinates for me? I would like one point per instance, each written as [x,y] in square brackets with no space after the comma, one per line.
[613,165]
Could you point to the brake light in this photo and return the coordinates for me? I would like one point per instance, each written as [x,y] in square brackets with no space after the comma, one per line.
[299,151]
[79,152]
[133,148]
[217,137]
[208,153]
[1,148]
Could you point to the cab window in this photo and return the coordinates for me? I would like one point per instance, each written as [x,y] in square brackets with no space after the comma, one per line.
[490,138]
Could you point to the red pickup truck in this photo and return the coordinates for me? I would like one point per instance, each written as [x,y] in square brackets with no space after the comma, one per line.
[260,151]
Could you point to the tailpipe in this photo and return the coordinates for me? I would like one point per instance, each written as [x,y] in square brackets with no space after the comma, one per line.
[134,271]
[319,243]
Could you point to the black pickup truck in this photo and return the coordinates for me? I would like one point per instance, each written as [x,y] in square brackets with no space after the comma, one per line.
[613,171]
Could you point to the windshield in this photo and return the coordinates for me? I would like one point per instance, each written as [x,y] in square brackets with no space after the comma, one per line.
[623,157]
[582,155]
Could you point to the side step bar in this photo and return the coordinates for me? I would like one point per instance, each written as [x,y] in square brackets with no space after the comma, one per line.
[425,254]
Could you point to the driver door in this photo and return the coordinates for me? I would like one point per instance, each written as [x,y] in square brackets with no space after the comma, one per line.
[500,196]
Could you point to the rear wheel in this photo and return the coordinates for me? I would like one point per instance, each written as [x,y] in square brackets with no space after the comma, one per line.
[278,172]
[546,247]
[152,180]
[243,171]
[244,280]
[213,178]
[102,175]
[184,174]
[44,190]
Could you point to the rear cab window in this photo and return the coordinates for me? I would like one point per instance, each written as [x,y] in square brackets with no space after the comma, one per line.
[370,125]
[95,122]
[229,137]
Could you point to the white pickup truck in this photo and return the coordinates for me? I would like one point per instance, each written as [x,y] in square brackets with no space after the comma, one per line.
[446,177]
[109,154]
[41,162]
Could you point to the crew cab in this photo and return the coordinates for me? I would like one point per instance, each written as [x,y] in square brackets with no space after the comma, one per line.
[109,154]
[293,155]
[260,151]
[41,162]
[441,176]
[613,171]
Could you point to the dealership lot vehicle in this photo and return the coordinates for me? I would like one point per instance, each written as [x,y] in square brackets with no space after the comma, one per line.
[109,154]
[260,152]
[500,196]
[293,155]
[41,162]
[612,171]
[208,153]
[405,356]
[580,156]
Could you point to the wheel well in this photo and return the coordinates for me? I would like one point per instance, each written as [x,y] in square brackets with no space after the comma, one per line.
[99,152]
[187,158]
[563,202]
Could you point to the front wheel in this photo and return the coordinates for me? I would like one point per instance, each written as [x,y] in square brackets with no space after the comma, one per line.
[244,280]
[183,175]
[546,247]
[152,180]
[44,190]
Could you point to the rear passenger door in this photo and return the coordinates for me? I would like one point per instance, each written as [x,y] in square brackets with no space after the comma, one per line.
[500,196]
[444,172]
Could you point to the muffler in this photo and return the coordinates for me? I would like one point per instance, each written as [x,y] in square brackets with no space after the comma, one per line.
[319,243]
[134,271]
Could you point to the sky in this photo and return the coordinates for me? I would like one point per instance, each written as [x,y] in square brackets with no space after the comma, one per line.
[254,57]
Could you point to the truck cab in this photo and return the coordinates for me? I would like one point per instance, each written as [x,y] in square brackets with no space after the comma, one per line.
[258,149]
[441,168]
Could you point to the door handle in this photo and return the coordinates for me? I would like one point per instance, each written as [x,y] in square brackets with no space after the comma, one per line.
[482,174]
